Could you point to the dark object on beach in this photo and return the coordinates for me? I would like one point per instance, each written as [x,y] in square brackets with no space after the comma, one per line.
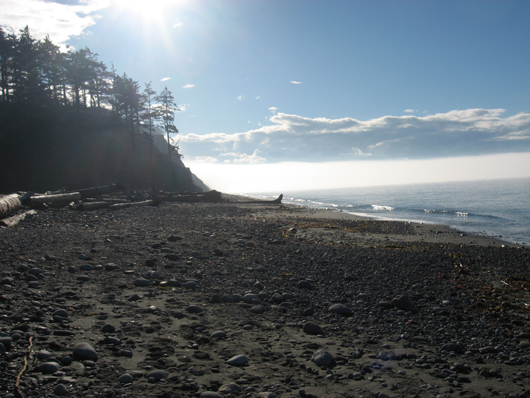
[206,197]
[278,200]
[9,204]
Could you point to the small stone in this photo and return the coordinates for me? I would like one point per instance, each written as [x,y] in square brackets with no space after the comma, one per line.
[194,309]
[257,309]
[61,390]
[84,351]
[323,358]
[231,388]
[218,335]
[125,378]
[157,375]
[524,344]
[210,394]
[108,328]
[48,367]
[238,360]
[341,309]
[313,328]
[142,282]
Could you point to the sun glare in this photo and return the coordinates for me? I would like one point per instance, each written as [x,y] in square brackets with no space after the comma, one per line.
[151,10]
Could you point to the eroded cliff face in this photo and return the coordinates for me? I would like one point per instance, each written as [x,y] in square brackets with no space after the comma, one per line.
[160,143]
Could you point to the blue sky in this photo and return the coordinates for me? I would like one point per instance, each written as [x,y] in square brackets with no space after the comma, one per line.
[373,83]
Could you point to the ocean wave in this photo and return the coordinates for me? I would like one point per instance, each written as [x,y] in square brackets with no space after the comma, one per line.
[382,208]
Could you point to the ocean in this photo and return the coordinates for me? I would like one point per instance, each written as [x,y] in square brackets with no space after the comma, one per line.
[495,208]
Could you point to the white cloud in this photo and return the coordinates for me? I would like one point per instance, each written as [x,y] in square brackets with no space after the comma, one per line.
[59,21]
[165,79]
[238,157]
[189,86]
[240,98]
[273,110]
[177,25]
[410,110]
[292,137]
[258,97]
[206,159]
[295,82]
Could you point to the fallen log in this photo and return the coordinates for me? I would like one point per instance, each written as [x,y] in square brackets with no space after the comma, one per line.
[9,204]
[64,197]
[14,220]
[209,197]
[135,204]
[103,189]
[94,205]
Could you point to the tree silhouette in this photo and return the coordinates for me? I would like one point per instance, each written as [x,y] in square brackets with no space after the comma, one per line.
[166,115]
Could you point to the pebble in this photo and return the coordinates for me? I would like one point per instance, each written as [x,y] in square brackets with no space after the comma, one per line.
[323,358]
[157,375]
[238,360]
[48,367]
[341,309]
[84,351]
[142,282]
[61,390]
[126,378]
[312,328]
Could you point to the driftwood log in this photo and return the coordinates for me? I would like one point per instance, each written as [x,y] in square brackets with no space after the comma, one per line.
[210,197]
[101,190]
[63,197]
[9,204]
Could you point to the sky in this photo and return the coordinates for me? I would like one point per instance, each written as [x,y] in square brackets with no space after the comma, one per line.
[314,94]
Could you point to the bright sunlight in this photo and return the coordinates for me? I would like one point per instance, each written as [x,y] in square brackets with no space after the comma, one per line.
[151,10]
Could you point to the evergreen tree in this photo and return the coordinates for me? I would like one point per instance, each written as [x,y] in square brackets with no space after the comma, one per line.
[167,107]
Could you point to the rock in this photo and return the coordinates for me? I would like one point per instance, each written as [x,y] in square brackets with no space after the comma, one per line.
[125,378]
[524,344]
[383,356]
[194,309]
[142,282]
[48,367]
[86,267]
[43,354]
[111,267]
[152,275]
[108,328]
[84,351]
[313,328]
[341,309]
[231,388]
[403,303]
[61,390]
[218,335]
[61,312]
[323,358]
[267,394]
[303,285]
[6,341]
[251,298]
[157,375]
[238,360]
[257,309]
[210,394]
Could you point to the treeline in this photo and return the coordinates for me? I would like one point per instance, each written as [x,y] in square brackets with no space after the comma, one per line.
[38,73]
[55,101]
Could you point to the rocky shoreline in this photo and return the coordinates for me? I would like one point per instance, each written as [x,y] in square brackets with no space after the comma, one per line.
[231,299]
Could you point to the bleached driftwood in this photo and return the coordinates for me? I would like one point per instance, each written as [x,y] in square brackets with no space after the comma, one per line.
[14,220]
[9,204]
[210,197]
[94,205]
[134,204]
[64,197]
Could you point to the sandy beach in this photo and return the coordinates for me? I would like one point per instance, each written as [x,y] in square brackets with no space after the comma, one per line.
[252,300]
